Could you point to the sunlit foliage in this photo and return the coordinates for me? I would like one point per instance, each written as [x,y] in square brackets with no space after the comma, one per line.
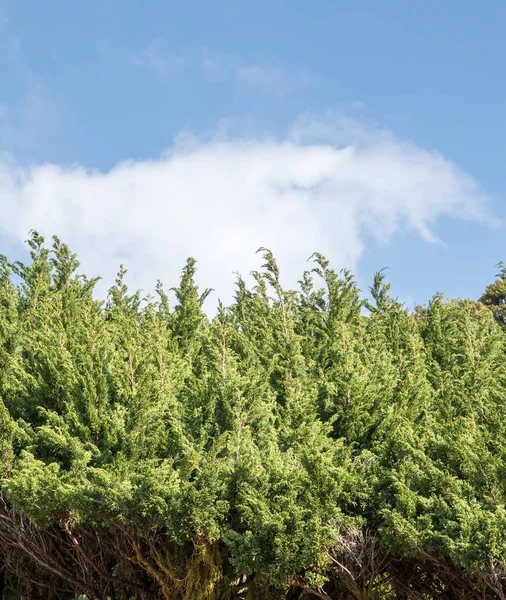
[300,444]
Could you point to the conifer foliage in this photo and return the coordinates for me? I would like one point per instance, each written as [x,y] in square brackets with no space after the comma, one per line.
[299,444]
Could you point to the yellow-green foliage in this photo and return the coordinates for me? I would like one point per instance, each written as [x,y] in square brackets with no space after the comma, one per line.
[228,457]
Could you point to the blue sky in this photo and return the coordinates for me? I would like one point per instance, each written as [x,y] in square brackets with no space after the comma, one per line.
[145,132]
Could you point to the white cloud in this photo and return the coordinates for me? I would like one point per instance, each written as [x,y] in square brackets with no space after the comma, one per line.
[156,57]
[219,201]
